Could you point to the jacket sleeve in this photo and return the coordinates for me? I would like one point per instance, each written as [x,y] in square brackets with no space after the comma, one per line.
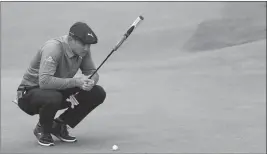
[88,67]
[50,57]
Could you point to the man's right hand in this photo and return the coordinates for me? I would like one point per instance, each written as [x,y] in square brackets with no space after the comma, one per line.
[84,83]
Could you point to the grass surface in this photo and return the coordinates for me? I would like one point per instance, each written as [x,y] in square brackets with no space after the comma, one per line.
[160,97]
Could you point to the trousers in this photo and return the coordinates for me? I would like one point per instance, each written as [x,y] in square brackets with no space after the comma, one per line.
[46,103]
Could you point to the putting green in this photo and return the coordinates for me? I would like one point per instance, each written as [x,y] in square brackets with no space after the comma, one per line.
[161,97]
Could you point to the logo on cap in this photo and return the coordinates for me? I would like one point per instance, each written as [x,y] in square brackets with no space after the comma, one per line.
[90,34]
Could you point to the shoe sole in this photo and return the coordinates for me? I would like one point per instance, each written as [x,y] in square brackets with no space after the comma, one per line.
[46,144]
[65,140]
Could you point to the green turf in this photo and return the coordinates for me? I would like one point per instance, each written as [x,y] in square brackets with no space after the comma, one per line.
[161,98]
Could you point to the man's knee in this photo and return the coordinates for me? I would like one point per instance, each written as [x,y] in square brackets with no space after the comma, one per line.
[99,93]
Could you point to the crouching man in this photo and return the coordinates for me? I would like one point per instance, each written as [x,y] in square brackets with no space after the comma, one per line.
[49,82]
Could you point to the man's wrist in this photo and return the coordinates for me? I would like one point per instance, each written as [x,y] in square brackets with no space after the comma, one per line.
[75,82]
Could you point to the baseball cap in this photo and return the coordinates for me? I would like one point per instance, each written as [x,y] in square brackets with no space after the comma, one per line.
[83,32]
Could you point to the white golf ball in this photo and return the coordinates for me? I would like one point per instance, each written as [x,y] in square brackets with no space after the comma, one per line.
[115,147]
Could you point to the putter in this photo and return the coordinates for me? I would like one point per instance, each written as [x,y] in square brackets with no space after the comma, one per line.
[125,36]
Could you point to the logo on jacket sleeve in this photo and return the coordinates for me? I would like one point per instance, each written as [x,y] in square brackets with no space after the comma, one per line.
[50,59]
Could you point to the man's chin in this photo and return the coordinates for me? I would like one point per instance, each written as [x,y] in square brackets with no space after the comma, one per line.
[83,54]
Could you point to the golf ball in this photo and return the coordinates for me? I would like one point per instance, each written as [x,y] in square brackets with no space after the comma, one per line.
[115,147]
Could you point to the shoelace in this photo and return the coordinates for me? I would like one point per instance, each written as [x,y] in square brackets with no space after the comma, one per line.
[47,137]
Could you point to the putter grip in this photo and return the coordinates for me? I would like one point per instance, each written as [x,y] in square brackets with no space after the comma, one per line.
[129,31]
[136,22]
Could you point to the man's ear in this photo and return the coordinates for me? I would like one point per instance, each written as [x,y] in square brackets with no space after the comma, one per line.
[70,39]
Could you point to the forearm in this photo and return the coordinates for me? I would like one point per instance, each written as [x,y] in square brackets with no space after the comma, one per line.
[51,82]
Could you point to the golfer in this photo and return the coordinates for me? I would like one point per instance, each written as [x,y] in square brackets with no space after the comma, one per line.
[49,82]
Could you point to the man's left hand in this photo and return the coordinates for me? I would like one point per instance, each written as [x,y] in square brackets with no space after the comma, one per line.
[88,85]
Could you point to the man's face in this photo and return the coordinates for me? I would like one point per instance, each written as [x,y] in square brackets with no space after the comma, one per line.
[79,48]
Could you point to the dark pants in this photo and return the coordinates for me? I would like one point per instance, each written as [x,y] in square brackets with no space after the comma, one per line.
[46,103]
